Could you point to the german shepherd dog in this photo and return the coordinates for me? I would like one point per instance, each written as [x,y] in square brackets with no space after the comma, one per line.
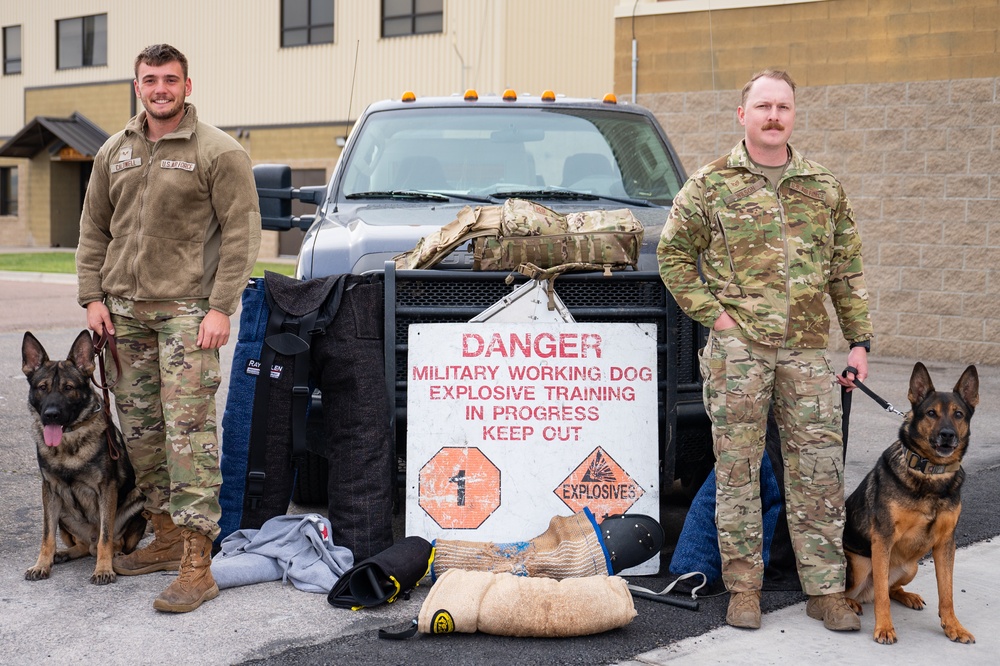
[909,504]
[88,495]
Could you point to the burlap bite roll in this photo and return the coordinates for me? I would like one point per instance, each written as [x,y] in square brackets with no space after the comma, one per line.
[506,605]
[570,548]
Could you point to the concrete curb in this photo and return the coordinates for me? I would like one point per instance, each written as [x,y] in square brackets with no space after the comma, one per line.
[28,276]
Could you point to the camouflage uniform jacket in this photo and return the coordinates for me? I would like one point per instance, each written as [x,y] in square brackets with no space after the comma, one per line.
[767,258]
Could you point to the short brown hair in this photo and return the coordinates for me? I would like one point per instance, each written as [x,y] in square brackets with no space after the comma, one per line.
[778,74]
[160,54]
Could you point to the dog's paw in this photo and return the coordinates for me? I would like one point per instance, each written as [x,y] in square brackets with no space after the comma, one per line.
[885,635]
[855,606]
[37,573]
[908,599]
[61,556]
[103,577]
[957,633]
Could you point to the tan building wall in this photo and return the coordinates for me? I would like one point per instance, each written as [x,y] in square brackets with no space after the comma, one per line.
[108,105]
[243,77]
[37,205]
[912,128]
[824,42]
[289,105]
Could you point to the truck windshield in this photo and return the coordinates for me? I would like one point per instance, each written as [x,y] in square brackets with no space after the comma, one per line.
[492,150]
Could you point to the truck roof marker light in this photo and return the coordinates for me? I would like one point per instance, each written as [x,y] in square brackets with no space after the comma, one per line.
[548,96]
[509,95]
[610,99]
[408,96]
[471,95]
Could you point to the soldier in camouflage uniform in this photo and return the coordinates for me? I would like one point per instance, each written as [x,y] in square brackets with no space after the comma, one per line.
[774,233]
[168,238]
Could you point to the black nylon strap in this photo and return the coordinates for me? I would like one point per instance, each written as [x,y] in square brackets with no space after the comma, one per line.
[399,635]
[262,393]
[300,387]
[884,404]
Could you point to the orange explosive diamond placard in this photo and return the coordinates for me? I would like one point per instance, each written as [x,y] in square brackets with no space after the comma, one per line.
[459,488]
[600,484]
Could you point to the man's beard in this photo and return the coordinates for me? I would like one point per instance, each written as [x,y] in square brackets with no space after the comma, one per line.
[155,111]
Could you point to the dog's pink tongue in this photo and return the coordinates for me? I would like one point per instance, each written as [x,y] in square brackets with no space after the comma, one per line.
[53,435]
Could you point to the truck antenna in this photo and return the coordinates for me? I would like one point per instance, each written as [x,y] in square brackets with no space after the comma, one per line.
[350,98]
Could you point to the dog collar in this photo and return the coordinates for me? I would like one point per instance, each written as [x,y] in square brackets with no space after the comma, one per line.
[923,465]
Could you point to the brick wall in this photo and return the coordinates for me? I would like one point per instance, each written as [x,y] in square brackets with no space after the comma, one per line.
[920,161]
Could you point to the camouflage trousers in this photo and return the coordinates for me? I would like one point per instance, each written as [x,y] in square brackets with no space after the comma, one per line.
[165,399]
[742,379]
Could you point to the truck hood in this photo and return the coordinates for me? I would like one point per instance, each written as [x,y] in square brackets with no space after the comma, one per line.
[358,238]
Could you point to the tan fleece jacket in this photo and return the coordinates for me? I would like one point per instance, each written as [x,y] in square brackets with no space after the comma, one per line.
[173,220]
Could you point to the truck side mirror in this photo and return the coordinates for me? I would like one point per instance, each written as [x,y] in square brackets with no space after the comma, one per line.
[274,187]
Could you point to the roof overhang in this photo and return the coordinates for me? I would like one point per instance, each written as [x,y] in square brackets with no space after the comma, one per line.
[81,136]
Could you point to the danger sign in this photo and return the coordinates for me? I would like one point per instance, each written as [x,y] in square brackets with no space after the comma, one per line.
[509,424]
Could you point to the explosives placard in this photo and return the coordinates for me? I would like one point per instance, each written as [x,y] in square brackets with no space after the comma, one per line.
[509,424]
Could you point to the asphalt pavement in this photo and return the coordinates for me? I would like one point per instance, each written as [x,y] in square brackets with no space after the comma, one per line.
[67,620]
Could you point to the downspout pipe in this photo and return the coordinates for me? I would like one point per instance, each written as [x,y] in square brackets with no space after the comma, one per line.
[635,67]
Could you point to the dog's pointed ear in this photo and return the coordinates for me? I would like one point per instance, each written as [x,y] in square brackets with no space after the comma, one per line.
[81,354]
[920,384]
[33,355]
[968,386]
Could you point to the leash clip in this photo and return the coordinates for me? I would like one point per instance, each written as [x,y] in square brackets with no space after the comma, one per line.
[892,410]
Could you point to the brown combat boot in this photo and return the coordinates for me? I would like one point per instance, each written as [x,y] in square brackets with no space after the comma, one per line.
[163,553]
[194,583]
[833,609]
[744,610]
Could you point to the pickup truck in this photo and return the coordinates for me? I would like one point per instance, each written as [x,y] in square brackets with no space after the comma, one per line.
[409,165]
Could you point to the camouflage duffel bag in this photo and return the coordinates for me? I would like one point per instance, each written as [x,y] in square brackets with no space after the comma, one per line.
[533,234]
[520,232]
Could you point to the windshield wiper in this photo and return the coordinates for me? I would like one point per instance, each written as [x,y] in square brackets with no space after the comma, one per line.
[566,195]
[399,194]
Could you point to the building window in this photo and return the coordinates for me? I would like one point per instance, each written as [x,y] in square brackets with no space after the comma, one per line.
[412,17]
[82,42]
[8,190]
[12,49]
[306,22]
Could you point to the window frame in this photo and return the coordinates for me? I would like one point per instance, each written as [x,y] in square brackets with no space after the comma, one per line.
[310,26]
[83,55]
[413,16]
[8,191]
[7,60]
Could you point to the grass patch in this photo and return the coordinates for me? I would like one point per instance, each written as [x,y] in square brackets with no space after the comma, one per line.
[65,262]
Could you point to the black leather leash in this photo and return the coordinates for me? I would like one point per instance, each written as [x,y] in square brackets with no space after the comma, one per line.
[884,404]
[105,341]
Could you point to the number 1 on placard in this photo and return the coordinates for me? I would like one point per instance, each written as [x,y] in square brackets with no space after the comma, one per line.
[459,480]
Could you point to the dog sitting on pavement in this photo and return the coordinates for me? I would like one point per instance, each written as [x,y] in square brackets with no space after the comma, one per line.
[87,494]
[909,505]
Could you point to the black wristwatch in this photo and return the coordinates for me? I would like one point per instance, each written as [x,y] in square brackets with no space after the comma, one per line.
[867,344]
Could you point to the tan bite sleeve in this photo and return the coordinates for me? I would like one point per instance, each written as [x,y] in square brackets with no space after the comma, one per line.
[508,605]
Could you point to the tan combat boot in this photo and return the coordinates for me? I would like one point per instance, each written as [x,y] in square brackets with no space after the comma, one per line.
[833,609]
[163,553]
[744,610]
[194,583]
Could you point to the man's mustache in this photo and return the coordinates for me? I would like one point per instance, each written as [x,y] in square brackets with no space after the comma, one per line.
[773,125]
